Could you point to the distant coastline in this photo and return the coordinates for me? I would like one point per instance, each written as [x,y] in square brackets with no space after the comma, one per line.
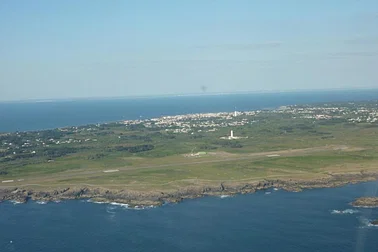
[49,114]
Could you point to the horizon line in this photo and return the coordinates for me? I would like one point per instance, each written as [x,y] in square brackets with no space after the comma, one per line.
[47,100]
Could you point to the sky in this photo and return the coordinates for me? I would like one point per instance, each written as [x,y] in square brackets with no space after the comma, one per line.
[92,48]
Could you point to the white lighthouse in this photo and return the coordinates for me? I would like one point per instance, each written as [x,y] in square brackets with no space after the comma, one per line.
[231,136]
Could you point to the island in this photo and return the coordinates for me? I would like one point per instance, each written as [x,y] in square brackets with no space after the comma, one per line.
[366,202]
[157,160]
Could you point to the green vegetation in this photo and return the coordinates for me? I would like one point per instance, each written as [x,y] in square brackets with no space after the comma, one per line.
[189,150]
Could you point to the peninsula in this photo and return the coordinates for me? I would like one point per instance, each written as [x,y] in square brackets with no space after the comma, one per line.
[167,159]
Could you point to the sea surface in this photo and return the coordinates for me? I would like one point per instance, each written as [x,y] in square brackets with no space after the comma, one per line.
[24,116]
[312,220]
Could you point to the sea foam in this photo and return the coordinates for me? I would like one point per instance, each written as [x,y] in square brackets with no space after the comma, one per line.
[119,204]
[122,205]
[15,202]
[367,223]
[346,211]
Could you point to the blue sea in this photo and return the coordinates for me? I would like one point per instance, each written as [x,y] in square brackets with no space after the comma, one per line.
[278,221]
[24,116]
[312,220]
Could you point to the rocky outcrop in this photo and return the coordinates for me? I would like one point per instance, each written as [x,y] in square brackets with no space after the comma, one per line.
[374,222]
[16,194]
[366,202]
[136,198]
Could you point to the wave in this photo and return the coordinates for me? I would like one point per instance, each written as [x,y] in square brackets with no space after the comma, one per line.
[127,206]
[114,205]
[98,202]
[15,202]
[119,204]
[142,207]
[224,196]
[41,202]
[109,209]
[268,192]
[346,211]
[366,223]
[365,206]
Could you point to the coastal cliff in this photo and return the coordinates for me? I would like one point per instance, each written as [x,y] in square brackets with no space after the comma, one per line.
[156,198]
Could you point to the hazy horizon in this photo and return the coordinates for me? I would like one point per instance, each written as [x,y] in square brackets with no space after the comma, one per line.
[304,91]
[96,49]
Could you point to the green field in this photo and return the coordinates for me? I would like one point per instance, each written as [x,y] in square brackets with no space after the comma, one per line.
[279,145]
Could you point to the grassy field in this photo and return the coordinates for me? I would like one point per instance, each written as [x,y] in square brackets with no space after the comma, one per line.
[276,147]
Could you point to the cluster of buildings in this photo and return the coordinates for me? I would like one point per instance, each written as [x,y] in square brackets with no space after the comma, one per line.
[193,123]
[352,113]
[318,113]
[201,122]
[208,122]
[20,143]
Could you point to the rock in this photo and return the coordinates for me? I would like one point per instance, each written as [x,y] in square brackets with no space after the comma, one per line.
[374,222]
[366,202]
[156,198]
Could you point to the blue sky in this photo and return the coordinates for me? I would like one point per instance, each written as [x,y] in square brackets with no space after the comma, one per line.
[89,48]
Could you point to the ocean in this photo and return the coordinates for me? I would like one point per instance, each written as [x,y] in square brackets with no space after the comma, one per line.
[24,116]
[264,221]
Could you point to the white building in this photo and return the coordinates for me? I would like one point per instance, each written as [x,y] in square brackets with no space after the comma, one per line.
[231,136]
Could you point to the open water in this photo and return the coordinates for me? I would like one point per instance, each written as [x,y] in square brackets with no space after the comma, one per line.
[312,220]
[23,116]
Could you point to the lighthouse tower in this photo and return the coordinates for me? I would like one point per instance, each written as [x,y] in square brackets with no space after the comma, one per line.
[232,134]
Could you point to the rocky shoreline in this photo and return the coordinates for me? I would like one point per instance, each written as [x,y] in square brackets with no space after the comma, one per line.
[157,198]
[366,202]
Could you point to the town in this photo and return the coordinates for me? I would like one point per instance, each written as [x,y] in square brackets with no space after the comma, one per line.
[46,145]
